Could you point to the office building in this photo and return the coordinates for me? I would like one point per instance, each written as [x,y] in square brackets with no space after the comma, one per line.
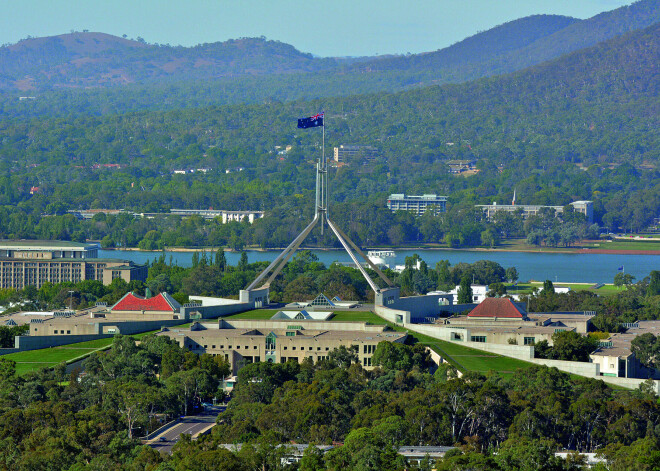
[344,153]
[418,205]
[35,262]
[226,216]
[277,341]
[583,207]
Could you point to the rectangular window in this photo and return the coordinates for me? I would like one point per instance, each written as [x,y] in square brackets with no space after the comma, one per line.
[528,341]
[478,338]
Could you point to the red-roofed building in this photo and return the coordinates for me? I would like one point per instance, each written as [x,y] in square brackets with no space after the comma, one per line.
[498,308]
[162,305]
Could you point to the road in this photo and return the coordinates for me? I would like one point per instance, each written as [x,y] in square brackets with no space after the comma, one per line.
[191,425]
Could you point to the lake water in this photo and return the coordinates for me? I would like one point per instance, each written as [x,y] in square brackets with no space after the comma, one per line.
[585,268]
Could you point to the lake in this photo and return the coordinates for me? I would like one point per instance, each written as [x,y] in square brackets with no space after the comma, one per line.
[566,267]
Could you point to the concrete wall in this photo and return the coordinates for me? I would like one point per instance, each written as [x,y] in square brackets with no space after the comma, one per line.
[392,315]
[420,307]
[591,370]
[458,308]
[630,383]
[521,352]
[526,353]
[34,342]
[5,351]
[28,342]
[282,324]
[219,310]
[256,297]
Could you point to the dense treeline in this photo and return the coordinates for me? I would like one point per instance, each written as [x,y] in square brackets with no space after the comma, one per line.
[514,421]
[52,421]
[257,70]
[501,422]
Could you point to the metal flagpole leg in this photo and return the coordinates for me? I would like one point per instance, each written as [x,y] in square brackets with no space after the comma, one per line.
[369,262]
[352,255]
[302,235]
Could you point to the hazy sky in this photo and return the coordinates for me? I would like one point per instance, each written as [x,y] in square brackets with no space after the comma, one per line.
[324,28]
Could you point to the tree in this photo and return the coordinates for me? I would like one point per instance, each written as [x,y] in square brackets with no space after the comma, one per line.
[464,293]
[496,289]
[548,288]
[243,262]
[646,348]
[512,274]
[312,459]
[571,346]
[623,279]
[343,356]
[221,260]
[397,356]
[529,455]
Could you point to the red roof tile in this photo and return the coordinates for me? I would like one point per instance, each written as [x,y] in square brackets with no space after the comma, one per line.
[133,302]
[497,307]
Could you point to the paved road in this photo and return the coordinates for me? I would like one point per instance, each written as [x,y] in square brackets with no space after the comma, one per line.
[191,425]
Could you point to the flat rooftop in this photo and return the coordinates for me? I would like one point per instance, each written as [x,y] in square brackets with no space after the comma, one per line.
[301,334]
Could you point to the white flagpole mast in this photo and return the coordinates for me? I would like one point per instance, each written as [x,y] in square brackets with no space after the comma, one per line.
[324,179]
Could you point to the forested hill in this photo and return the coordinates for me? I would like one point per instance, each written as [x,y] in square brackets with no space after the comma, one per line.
[60,69]
[485,46]
[96,59]
[521,43]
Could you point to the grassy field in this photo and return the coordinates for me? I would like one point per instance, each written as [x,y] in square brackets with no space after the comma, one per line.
[623,244]
[526,288]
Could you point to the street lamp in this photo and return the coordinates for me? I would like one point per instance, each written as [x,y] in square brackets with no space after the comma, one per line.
[70,300]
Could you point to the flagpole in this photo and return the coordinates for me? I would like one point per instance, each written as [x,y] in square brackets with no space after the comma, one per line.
[325,176]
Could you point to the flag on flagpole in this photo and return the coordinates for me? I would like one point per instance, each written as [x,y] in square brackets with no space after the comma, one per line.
[620,268]
[311,122]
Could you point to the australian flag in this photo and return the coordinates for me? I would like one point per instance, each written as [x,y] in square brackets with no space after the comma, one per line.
[311,122]
[620,268]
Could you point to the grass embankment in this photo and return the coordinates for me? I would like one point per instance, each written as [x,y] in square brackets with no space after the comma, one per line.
[32,360]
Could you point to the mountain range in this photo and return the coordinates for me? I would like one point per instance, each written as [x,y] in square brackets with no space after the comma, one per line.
[271,68]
